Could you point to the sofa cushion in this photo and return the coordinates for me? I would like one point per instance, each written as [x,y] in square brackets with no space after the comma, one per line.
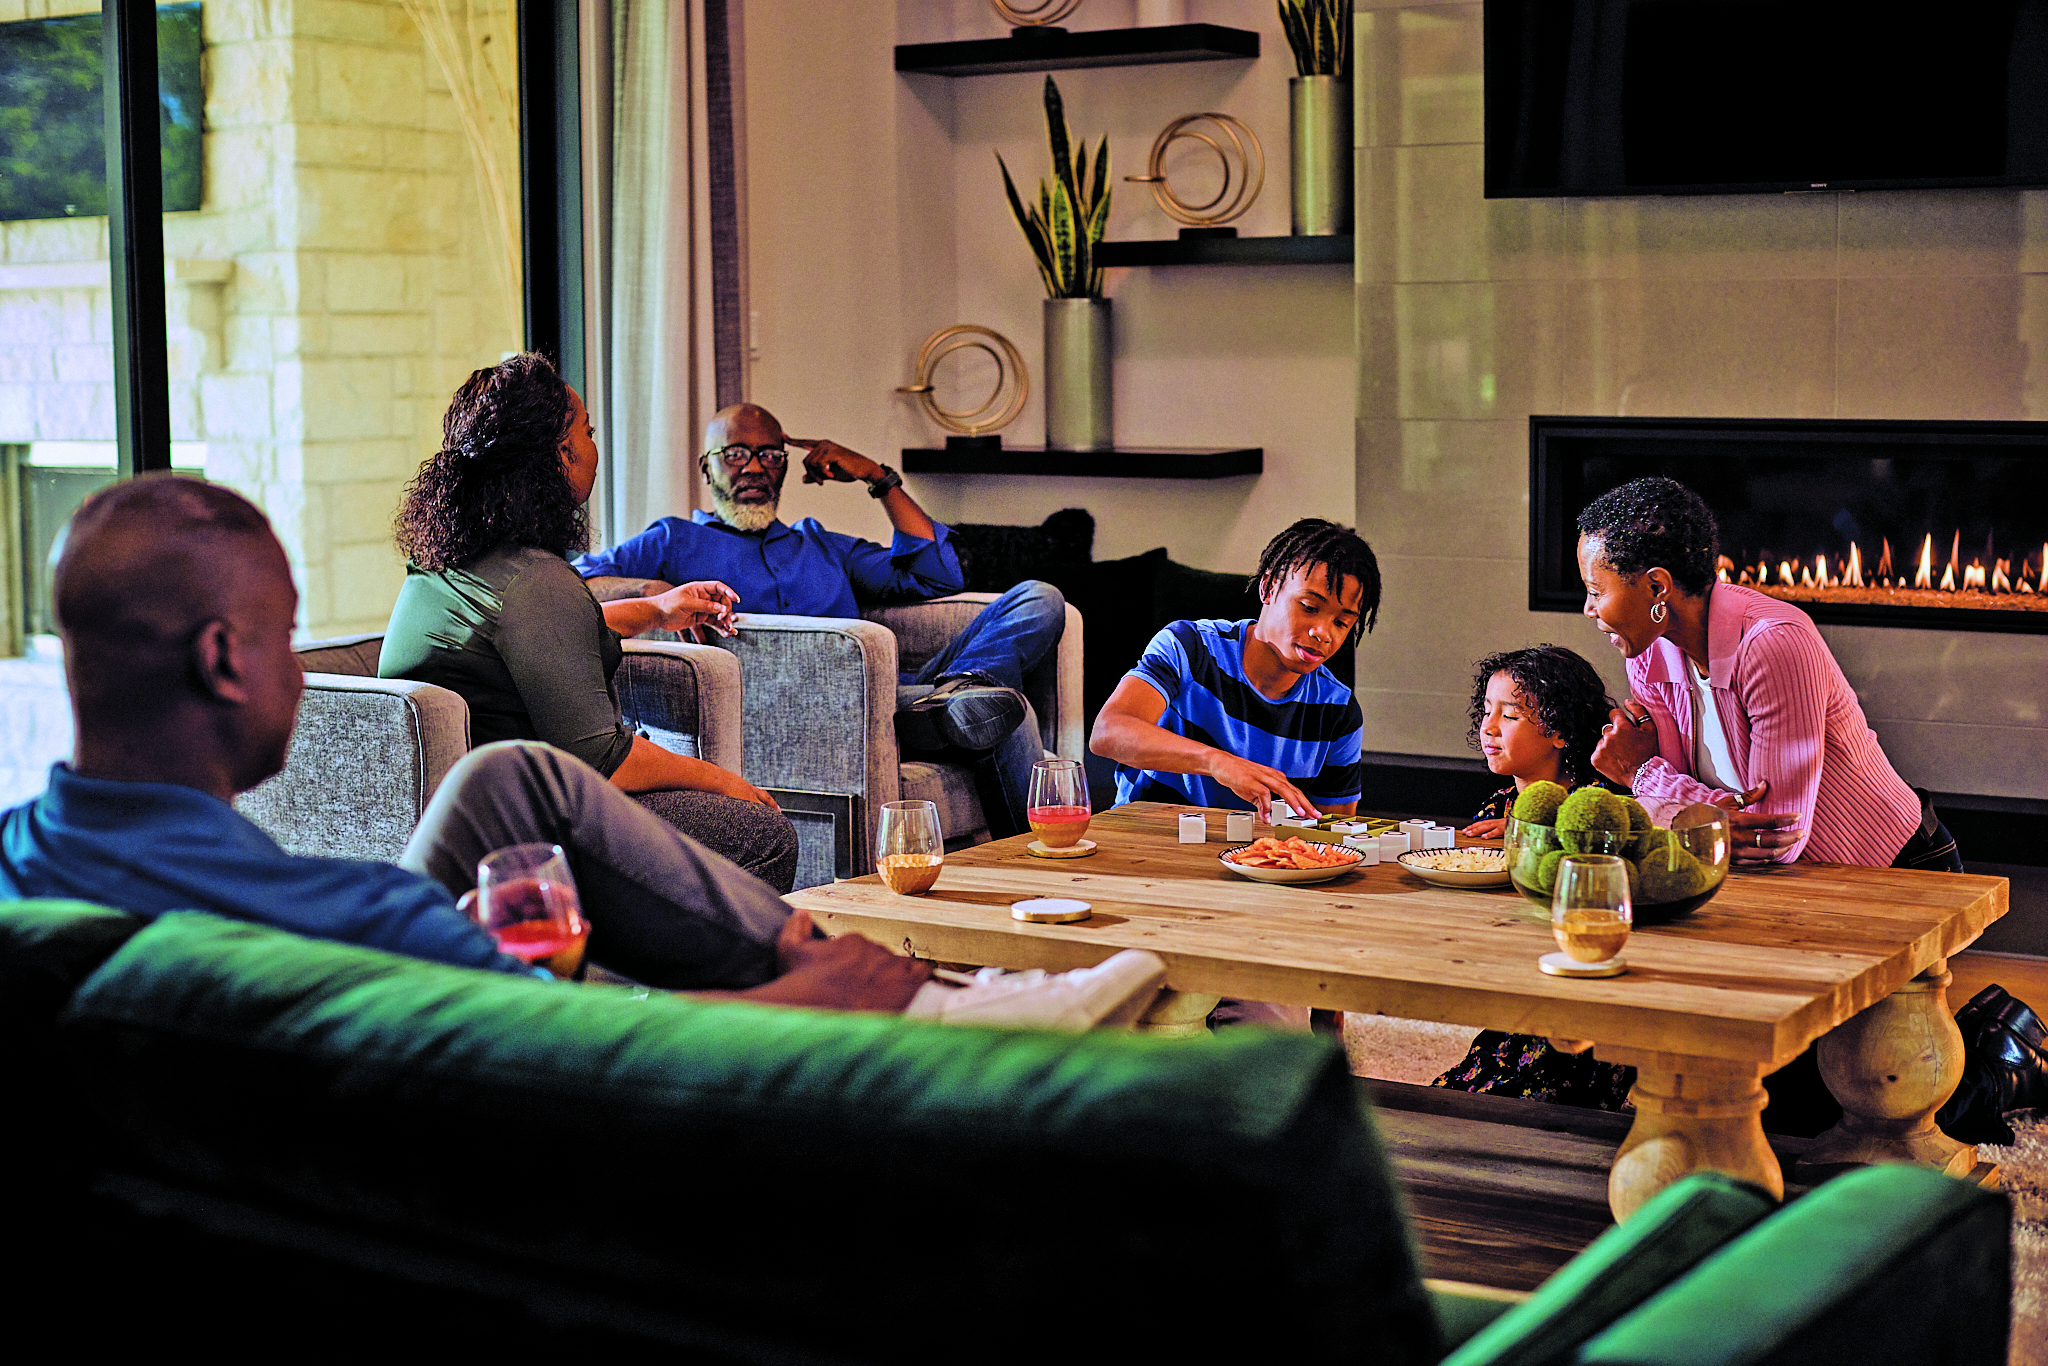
[48,947]
[995,558]
[1889,1263]
[1673,1232]
[852,1180]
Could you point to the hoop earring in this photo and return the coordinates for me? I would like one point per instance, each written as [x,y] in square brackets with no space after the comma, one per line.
[1658,611]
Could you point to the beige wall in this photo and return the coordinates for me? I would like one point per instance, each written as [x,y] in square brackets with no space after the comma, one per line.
[334,288]
[1475,314]
[877,216]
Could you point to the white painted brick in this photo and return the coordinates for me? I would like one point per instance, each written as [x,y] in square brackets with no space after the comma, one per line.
[365,85]
[82,364]
[31,315]
[380,334]
[367,284]
[236,406]
[74,412]
[17,412]
[363,580]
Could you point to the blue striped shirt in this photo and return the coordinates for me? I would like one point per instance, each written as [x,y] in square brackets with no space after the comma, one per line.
[1312,734]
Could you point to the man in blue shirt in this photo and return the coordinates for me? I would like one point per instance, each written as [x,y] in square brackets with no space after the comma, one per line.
[176,606]
[1238,713]
[967,699]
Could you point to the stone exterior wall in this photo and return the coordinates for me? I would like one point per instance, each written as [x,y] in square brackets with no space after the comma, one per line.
[334,288]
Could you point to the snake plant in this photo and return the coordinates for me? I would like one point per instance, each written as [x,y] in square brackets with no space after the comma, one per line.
[1319,31]
[1066,224]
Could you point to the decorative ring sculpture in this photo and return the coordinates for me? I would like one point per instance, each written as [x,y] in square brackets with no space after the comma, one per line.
[1009,366]
[1031,15]
[1241,182]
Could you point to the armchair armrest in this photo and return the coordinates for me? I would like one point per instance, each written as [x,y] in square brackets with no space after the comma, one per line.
[820,710]
[685,698]
[365,760]
[922,629]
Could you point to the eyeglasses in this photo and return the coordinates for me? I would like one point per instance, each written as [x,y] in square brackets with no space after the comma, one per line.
[736,458]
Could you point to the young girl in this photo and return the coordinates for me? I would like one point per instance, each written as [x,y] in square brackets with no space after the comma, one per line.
[1536,715]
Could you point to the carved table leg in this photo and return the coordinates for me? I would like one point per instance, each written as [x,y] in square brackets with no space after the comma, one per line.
[1177,1015]
[1892,1067]
[1691,1114]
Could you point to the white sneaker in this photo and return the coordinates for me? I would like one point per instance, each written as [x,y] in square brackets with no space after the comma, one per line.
[1114,992]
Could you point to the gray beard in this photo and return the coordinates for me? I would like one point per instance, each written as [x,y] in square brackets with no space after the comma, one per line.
[744,516]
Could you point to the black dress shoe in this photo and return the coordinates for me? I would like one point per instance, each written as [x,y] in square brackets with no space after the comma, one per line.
[2005,1068]
[961,713]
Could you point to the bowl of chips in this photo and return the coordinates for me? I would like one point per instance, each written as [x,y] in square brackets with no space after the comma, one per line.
[1467,867]
[1291,860]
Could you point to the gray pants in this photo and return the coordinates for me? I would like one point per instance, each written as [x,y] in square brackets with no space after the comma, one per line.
[757,838]
[662,909]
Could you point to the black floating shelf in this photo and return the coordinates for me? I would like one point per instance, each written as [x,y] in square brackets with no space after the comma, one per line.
[1125,462]
[1228,251]
[1064,51]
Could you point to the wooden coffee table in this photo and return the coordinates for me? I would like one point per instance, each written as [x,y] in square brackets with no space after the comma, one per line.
[1709,1005]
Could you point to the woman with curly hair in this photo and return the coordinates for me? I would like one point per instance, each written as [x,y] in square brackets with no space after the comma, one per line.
[1737,698]
[492,609]
[1536,715]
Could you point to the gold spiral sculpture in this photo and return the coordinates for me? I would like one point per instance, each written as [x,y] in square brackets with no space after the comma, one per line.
[1032,15]
[1009,367]
[1244,169]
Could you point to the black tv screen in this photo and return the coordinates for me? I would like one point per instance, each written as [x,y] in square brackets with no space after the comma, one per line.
[53,147]
[1622,97]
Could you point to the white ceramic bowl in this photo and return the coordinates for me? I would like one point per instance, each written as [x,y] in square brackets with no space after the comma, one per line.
[1291,876]
[1448,877]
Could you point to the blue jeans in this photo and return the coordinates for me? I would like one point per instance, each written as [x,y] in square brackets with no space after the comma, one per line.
[1009,641]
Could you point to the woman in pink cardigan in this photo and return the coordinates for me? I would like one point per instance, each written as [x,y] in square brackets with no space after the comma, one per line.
[1736,698]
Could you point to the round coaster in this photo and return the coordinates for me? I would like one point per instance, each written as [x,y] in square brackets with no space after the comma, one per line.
[1564,965]
[1078,849]
[1050,910]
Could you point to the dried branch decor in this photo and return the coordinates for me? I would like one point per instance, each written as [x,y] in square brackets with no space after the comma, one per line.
[1319,31]
[474,52]
[1066,224]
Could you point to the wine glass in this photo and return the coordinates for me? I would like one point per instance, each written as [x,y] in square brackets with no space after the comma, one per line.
[527,899]
[908,849]
[1058,809]
[1591,914]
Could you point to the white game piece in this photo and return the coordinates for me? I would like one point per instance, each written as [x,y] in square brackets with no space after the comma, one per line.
[1348,828]
[1440,837]
[1237,827]
[1368,845]
[1281,811]
[1393,844]
[1050,910]
[1414,830]
[1291,821]
[1194,828]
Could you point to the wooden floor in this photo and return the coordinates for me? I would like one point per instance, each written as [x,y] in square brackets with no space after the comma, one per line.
[1503,1192]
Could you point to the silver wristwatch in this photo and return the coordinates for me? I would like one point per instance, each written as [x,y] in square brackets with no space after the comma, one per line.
[880,485]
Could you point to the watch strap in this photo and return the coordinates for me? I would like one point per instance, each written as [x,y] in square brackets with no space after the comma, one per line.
[880,485]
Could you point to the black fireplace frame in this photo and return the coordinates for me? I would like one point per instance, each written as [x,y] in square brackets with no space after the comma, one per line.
[1553,439]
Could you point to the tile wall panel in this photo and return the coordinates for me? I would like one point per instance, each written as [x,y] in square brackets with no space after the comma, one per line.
[1474,314]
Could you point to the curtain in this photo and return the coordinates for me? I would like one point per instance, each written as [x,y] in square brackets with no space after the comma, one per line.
[663,271]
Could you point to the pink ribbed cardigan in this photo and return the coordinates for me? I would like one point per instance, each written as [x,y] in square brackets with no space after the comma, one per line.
[1789,716]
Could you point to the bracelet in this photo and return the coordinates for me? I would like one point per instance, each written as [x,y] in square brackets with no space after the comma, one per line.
[880,485]
[1637,772]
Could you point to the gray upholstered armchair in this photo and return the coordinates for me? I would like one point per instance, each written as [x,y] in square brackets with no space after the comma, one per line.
[369,752]
[820,722]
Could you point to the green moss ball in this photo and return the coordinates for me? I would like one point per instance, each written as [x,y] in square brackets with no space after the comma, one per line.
[1639,827]
[1545,880]
[1538,803]
[1588,816]
[1669,872]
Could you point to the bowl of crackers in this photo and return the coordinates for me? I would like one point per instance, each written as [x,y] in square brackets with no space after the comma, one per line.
[1294,861]
[1472,867]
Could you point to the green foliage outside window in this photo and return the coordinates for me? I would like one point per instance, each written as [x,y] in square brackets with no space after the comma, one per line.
[53,115]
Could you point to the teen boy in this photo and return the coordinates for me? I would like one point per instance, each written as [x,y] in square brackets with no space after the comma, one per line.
[1238,713]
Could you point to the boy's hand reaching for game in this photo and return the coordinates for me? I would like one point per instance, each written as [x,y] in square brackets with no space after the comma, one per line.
[1259,785]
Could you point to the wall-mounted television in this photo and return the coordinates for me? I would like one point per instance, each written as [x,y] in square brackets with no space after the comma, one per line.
[1639,97]
[53,111]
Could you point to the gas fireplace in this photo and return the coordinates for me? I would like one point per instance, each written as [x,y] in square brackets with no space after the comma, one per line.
[1869,523]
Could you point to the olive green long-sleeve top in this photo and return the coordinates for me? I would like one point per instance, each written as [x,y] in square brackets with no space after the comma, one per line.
[517,634]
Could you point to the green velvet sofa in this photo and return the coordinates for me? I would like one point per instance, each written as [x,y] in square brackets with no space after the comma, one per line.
[234,1139]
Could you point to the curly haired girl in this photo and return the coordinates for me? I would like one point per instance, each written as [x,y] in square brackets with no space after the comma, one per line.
[1536,715]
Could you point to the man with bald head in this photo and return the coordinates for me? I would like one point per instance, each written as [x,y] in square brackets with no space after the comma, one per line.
[967,702]
[175,604]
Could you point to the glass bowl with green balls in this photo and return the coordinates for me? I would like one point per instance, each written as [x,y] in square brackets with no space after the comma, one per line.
[1672,870]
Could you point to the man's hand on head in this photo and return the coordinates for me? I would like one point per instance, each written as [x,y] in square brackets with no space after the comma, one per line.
[828,461]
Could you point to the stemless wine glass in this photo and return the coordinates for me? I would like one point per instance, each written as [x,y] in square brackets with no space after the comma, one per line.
[1591,914]
[1059,802]
[908,848]
[527,899]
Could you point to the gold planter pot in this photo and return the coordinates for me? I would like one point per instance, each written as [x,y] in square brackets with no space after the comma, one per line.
[1320,147]
[1077,392]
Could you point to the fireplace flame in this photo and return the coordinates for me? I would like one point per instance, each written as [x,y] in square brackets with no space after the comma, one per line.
[1785,574]
[1854,578]
[1973,576]
[1722,565]
[1996,582]
[1884,562]
[1924,578]
[2001,582]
